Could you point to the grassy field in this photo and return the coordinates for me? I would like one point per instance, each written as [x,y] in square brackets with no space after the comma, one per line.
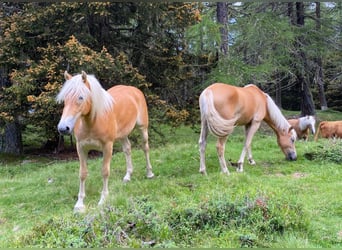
[273,204]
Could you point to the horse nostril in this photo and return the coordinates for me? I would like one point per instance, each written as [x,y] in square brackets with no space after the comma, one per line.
[64,130]
[292,156]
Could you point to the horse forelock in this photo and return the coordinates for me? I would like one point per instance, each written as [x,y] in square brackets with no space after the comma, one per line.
[101,100]
[275,115]
[72,89]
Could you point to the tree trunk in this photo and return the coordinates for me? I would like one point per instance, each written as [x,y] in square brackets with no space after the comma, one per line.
[290,13]
[222,18]
[11,141]
[307,105]
[319,68]
[278,94]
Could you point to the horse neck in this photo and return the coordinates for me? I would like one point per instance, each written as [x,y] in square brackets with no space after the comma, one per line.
[274,118]
[272,125]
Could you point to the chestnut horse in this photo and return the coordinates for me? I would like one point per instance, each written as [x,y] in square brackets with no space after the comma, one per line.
[98,118]
[224,106]
[303,125]
[329,129]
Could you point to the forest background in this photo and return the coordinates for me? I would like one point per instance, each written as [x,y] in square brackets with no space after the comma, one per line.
[171,51]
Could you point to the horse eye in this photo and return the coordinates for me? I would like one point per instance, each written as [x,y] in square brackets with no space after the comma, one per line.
[80,98]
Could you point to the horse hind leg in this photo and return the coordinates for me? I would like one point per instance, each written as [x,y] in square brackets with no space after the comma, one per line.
[146,149]
[202,146]
[220,147]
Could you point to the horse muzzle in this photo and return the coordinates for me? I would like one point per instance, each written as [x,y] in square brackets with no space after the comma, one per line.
[292,156]
[65,128]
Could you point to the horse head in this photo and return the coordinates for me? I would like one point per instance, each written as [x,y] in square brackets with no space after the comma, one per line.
[75,94]
[286,141]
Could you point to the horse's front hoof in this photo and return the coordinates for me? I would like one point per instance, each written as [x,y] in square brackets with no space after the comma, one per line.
[239,168]
[251,162]
[225,173]
[126,179]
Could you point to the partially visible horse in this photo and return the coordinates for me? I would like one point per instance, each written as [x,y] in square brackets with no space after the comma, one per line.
[224,106]
[303,126]
[98,118]
[329,129]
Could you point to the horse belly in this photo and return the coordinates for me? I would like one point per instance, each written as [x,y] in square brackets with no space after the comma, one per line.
[90,144]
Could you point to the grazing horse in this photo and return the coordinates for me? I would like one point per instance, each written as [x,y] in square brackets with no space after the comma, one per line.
[303,125]
[98,118]
[329,129]
[224,106]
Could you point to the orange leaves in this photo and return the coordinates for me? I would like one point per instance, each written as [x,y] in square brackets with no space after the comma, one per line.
[31,98]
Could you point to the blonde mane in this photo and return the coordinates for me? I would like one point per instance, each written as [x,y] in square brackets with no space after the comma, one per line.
[102,101]
[277,117]
[305,121]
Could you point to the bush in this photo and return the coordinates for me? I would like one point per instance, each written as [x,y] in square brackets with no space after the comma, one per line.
[327,150]
[257,220]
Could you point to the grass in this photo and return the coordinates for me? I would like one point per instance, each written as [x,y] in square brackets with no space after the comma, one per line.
[273,204]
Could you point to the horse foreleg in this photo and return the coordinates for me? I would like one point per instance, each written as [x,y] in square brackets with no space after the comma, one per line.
[249,132]
[126,148]
[202,146]
[220,147]
[83,172]
[107,157]
[146,149]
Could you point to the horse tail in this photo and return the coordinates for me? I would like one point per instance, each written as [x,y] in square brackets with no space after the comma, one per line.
[217,125]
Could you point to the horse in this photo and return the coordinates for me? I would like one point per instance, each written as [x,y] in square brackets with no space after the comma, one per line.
[303,125]
[98,118]
[329,129]
[223,107]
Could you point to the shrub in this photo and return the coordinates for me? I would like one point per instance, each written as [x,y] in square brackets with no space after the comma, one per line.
[326,150]
[256,221]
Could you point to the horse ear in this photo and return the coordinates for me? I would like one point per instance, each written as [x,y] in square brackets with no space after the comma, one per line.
[67,76]
[84,76]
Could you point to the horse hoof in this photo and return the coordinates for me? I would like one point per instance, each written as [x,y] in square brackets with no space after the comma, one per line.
[150,176]
[203,172]
[126,179]
[239,170]
[79,210]
[251,162]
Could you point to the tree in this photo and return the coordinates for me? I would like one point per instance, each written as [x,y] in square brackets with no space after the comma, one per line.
[222,19]
[318,78]
[119,42]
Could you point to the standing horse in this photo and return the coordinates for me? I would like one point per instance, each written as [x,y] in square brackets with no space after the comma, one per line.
[329,129]
[98,118]
[224,106]
[303,125]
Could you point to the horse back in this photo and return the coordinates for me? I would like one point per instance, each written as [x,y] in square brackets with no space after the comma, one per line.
[244,103]
[331,129]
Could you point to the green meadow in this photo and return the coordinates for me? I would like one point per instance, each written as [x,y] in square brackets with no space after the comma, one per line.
[276,203]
